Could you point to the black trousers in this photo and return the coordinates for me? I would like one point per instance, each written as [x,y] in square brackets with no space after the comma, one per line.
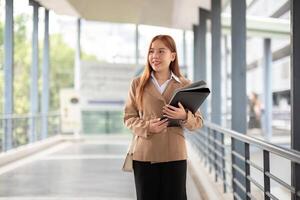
[160,181]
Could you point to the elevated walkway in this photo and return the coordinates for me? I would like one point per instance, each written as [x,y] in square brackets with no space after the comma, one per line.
[88,168]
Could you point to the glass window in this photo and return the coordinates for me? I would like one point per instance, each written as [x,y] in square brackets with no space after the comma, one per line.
[148,32]
[62,35]
[264,8]
[189,38]
[109,42]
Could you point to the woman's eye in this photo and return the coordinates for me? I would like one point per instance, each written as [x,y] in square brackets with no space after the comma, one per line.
[161,51]
[151,51]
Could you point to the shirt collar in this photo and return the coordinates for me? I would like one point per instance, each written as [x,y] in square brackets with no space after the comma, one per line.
[175,77]
[172,76]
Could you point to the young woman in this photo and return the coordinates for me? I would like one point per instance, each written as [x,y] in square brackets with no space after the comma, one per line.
[159,158]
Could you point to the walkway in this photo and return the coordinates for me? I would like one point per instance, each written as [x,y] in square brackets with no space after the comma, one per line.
[85,170]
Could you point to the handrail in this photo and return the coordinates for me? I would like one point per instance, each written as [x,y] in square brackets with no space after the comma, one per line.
[29,115]
[222,156]
[25,128]
[290,154]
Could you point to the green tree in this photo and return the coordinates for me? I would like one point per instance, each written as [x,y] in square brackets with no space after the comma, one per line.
[22,64]
[61,68]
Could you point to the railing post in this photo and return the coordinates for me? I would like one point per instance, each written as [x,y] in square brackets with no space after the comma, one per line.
[266,170]
[223,163]
[210,163]
[206,146]
[216,168]
[247,170]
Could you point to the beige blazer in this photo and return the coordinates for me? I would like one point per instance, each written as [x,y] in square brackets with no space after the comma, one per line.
[161,147]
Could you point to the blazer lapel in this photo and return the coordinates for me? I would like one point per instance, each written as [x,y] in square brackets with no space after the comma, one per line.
[169,91]
[166,95]
[153,91]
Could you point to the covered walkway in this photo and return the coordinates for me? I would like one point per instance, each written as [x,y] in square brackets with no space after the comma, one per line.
[63,155]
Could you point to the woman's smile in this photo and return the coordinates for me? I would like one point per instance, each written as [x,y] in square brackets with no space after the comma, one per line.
[156,63]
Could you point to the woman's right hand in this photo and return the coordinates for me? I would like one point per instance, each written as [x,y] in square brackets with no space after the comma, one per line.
[158,126]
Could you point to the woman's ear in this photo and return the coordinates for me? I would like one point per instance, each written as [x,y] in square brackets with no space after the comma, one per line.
[173,56]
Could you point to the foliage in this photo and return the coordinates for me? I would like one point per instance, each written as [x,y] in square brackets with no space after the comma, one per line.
[61,66]
[22,60]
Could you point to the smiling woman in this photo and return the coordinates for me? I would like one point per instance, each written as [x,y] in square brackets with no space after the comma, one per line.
[159,155]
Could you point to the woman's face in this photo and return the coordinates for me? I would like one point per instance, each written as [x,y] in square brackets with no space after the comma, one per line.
[160,56]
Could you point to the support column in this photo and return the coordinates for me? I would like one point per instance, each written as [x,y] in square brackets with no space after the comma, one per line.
[216,78]
[295,90]
[77,57]
[201,65]
[184,49]
[34,92]
[8,75]
[267,80]
[196,52]
[227,76]
[45,78]
[216,62]
[239,98]
[137,52]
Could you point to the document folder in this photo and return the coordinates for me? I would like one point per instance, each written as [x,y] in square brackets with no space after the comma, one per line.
[191,97]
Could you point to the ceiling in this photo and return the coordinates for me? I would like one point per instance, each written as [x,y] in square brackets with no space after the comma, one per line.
[180,14]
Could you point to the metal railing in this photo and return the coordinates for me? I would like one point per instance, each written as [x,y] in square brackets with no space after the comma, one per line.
[215,145]
[19,126]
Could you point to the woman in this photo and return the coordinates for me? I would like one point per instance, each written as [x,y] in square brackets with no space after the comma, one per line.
[254,111]
[159,158]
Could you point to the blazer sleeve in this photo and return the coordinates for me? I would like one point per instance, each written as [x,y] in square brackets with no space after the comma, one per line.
[132,119]
[193,121]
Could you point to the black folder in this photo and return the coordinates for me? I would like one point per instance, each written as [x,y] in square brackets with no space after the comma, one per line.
[191,97]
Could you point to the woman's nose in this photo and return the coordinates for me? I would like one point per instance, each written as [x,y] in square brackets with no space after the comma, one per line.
[155,55]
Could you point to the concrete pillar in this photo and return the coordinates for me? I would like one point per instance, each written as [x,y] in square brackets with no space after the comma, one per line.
[45,78]
[8,75]
[239,97]
[137,52]
[267,88]
[34,90]
[200,69]
[77,57]
[295,91]
[216,62]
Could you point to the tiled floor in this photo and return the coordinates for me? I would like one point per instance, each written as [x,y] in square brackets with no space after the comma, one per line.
[87,170]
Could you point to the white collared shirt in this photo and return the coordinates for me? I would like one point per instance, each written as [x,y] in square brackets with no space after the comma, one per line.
[161,88]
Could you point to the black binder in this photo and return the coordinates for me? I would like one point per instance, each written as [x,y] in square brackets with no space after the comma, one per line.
[191,97]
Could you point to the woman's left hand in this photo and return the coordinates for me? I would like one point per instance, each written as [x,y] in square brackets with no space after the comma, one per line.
[174,113]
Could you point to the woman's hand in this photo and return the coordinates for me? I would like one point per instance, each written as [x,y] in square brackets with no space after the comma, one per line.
[157,125]
[174,113]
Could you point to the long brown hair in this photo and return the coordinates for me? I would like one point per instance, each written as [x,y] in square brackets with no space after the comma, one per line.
[174,66]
